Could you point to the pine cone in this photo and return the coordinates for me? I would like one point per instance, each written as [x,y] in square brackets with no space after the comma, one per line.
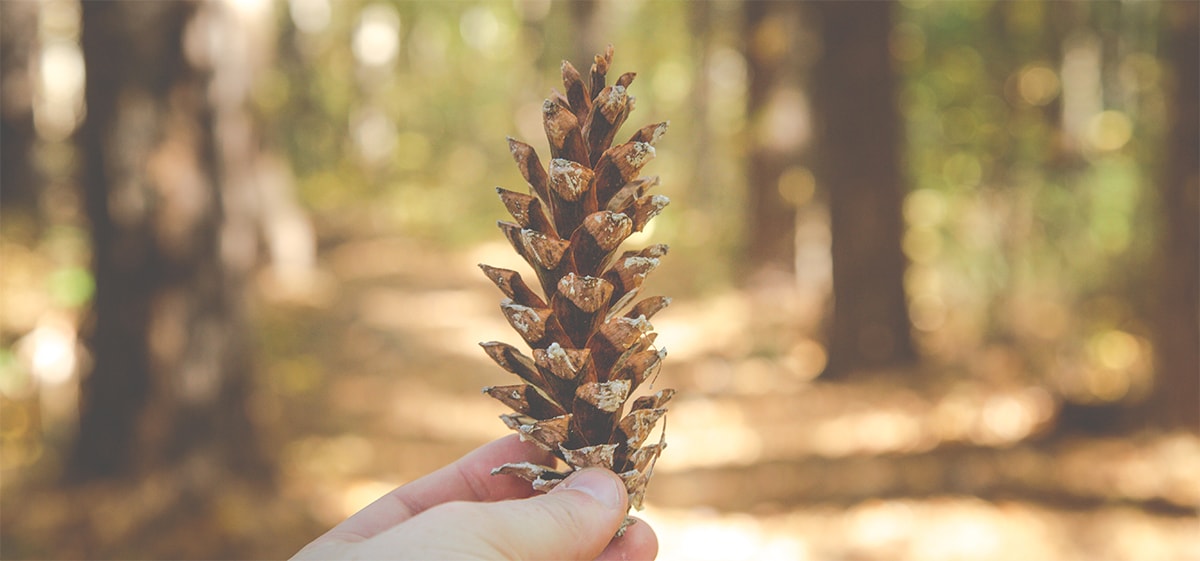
[589,353]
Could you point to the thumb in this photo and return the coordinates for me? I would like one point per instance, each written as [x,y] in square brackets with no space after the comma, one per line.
[576,520]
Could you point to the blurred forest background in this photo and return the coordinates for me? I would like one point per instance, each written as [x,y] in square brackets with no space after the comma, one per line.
[934,265]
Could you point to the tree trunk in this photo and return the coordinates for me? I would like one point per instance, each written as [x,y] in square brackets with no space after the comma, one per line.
[771,219]
[1177,399]
[587,38]
[858,143]
[172,245]
[18,45]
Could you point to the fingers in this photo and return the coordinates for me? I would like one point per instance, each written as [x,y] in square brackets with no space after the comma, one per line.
[451,514]
[576,520]
[468,479]
[639,543]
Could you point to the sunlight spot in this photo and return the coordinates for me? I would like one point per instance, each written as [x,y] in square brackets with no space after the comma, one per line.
[1115,349]
[923,280]
[727,72]
[922,244]
[59,104]
[877,525]
[806,360]
[967,535]
[375,135]
[720,541]
[928,312]
[1137,477]
[310,16]
[49,351]
[1109,131]
[250,9]
[925,207]
[1005,419]
[785,122]
[71,287]
[833,438]
[702,535]
[645,237]
[1082,91]
[485,32]
[954,415]
[886,431]
[1038,85]
[797,185]
[377,37]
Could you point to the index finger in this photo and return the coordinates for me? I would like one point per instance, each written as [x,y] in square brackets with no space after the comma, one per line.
[467,479]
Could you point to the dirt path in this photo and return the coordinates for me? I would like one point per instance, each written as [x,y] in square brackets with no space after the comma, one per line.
[372,378]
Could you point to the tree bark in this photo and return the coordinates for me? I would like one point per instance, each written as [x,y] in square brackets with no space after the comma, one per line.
[171,248]
[18,45]
[587,40]
[1177,398]
[771,219]
[858,143]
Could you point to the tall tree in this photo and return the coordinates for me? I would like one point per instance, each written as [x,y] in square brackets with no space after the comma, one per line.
[771,218]
[858,146]
[167,151]
[587,36]
[18,44]
[1178,385]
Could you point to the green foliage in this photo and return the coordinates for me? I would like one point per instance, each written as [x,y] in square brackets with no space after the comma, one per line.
[1029,142]
[414,144]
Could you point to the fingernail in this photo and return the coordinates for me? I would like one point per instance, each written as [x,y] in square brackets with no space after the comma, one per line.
[599,485]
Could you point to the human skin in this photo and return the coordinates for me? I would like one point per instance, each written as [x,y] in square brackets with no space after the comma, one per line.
[461,511]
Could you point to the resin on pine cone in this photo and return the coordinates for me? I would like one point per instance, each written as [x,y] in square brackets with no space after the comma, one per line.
[591,349]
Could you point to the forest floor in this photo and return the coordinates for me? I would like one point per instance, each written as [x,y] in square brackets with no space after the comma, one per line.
[371,377]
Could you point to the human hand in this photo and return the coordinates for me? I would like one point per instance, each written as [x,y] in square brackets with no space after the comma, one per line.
[463,512]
